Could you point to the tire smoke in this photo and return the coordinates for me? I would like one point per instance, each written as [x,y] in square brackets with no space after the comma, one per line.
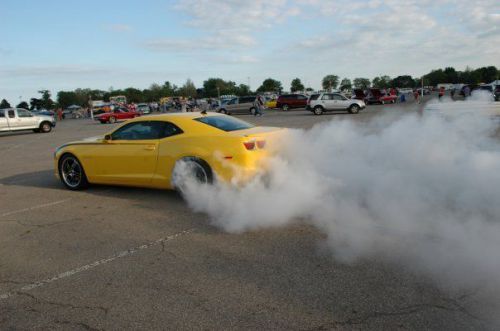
[422,191]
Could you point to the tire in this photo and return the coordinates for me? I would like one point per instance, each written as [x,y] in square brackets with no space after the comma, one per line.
[45,127]
[285,107]
[252,111]
[354,109]
[191,168]
[72,173]
[393,101]
[382,102]
[103,122]
[318,110]
[223,111]
[112,120]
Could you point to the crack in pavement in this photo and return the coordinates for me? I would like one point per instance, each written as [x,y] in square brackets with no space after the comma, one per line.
[40,301]
[405,310]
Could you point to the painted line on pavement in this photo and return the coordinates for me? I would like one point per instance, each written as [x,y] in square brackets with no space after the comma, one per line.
[93,265]
[34,207]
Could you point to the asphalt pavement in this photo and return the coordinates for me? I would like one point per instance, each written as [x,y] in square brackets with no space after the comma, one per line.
[116,258]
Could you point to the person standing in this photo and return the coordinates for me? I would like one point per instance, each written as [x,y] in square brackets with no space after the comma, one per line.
[441,92]
[416,94]
[258,104]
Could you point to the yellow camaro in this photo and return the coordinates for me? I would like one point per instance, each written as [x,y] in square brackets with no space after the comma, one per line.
[145,151]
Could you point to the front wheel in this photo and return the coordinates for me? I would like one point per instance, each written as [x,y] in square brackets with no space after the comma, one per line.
[71,173]
[354,109]
[112,120]
[285,107]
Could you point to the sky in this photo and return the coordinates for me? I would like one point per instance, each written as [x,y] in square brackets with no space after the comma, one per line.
[63,45]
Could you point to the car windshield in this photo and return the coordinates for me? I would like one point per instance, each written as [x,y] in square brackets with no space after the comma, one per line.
[225,123]
[314,97]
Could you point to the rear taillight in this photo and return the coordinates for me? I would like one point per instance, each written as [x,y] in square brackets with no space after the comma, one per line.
[252,145]
[249,145]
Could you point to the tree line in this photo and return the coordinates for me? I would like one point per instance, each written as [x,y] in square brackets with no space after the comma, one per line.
[215,87]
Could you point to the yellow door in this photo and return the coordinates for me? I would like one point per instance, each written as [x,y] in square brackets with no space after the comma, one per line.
[127,162]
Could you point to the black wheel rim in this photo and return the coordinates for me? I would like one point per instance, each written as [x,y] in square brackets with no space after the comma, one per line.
[71,172]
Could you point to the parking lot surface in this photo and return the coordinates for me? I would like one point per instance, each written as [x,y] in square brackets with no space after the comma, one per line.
[114,258]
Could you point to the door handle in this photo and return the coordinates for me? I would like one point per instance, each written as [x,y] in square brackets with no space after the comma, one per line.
[150,148]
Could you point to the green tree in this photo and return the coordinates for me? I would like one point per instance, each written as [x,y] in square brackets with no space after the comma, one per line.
[270,85]
[243,89]
[296,85]
[381,82]
[36,103]
[23,104]
[405,81]
[65,98]
[345,84]
[330,82]
[188,89]
[133,95]
[47,102]
[309,89]
[361,83]
[213,86]
[4,104]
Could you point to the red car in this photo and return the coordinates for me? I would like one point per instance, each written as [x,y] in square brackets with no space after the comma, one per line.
[116,114]
[377,96]
[287,101]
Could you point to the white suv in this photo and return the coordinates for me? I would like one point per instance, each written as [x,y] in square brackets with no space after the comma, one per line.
[319,103]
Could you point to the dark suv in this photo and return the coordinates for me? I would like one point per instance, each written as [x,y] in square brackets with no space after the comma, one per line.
[287,101]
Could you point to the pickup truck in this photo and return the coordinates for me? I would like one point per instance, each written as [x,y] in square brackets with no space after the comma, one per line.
[16,119]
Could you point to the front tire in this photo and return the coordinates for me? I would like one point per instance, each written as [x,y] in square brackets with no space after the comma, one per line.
[71,173]
[285,107]
[45,127]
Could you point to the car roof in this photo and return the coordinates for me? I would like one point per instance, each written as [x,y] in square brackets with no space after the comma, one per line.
[176,116]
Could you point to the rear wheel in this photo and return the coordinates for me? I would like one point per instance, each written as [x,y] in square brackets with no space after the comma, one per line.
[191,171]
[45,127]
[223,111]
[354,109]
[112,119]
[285,107]
[252,111]
[318,110]
[71,173]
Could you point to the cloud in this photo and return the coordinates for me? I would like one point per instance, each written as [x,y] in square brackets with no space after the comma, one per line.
[37,71]
[119,27]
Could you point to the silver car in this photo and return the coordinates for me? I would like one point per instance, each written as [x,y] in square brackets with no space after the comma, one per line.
[322,102]
[239,105]
[16,119]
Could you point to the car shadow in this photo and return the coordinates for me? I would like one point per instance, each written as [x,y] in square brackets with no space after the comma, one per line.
[45,179]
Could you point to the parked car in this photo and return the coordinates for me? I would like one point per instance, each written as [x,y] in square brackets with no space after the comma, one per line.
[375,95]
[238,105]
[496,94]
[288,101]
[323,102]
[358,94]
[115,115]
[143,108]
[16,119]
[271,103]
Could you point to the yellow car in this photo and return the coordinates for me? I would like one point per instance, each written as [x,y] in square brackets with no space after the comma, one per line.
[271,103]
[145,151]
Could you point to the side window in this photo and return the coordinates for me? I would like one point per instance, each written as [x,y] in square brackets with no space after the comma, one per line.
[169,130]
[338,97]
[301,97]
[11,114]
[327,97]
[23,113]
[2,114]
[145,131]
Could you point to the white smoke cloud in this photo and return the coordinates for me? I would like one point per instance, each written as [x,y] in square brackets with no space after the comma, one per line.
[422,191]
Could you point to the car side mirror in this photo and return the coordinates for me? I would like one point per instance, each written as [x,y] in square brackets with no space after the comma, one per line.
[107,137]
